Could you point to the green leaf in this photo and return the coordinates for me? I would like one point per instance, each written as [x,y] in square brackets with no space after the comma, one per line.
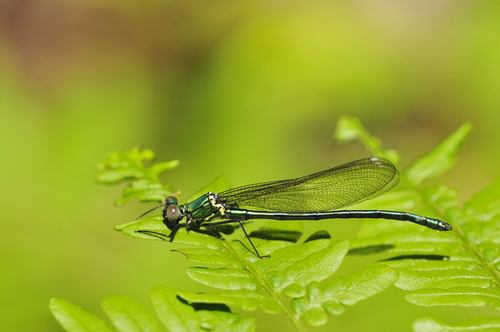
[485,205]
[440,159]
[75,319]
[413,280]
[119,166]
[311,261]
[406,239]
[341,292]
[463,296]
[272,236]
[128,315]
[244,299]
[129,165]
[175,315]
[479,324]
[350,128]
[232,279]
[178,315]
[209,256]
[225,322]
[155,224]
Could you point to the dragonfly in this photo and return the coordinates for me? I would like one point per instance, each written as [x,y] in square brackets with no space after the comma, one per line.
[312,197]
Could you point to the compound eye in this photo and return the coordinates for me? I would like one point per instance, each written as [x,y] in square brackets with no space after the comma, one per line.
[171,200]
[173,213]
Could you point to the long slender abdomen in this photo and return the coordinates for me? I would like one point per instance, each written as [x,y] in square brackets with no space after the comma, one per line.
[342,214]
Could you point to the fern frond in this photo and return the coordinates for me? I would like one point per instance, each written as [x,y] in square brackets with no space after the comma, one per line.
[129,165]
[450,268]
[436,269]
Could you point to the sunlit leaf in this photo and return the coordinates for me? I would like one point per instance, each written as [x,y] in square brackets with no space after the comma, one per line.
[479,324]
[225,322]
[222,278]
[155,224]
[350,128]
[244,299]
[128,315]
[209,256]
[130,165]
[303,264]
[341,292]
[464,296]
[413,280]
[175,315]
[485,204]
[75,319]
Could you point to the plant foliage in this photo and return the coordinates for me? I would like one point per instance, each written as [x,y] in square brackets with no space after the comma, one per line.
[451,268]
[438,269]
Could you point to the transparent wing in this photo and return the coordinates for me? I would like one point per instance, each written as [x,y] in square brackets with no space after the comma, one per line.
[334,188]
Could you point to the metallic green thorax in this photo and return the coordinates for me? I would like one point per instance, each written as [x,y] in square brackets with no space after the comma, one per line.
[203,209]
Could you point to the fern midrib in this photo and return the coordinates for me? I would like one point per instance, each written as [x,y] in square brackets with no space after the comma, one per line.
[472,248]
[467,245]
[267,286]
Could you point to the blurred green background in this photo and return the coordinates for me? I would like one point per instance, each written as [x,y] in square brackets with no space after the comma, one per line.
[248,89]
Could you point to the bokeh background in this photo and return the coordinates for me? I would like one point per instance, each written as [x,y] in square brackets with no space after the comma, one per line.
[247,89]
